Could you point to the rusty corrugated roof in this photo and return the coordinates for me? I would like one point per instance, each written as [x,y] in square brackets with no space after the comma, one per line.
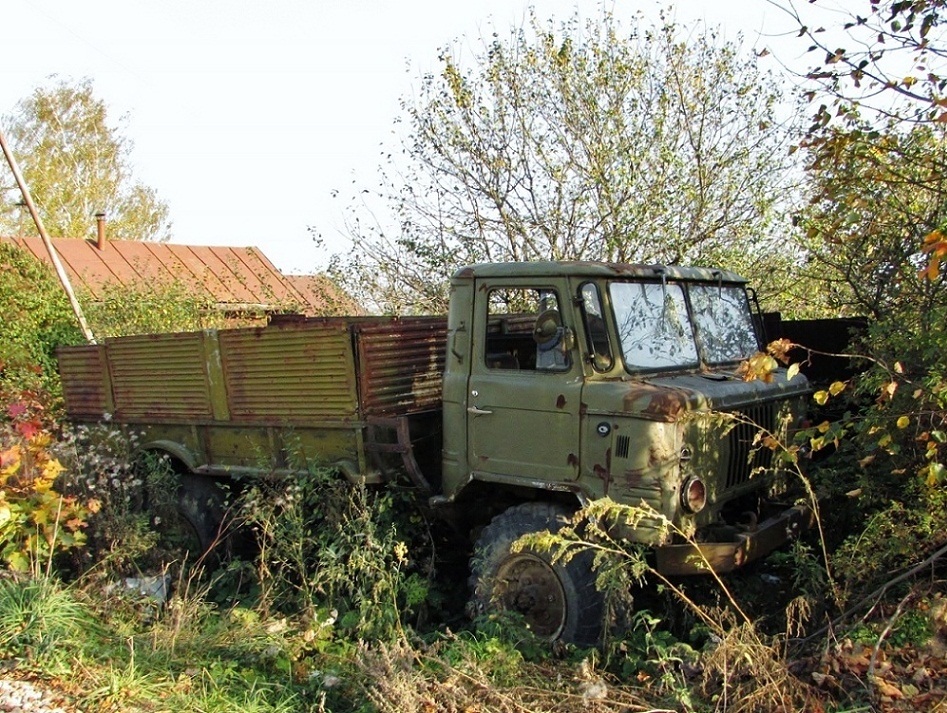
[321,291]
[234,277]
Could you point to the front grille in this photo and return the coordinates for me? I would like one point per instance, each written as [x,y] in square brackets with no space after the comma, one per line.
[747,457]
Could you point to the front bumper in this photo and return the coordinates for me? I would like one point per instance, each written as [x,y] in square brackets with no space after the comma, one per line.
[702,557]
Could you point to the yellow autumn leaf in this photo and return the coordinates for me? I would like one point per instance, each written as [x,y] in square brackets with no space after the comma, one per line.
[821,397]
[824,427]
[904,422]
[792,371]
[759,366]
[836,388]
[52,469]
[10,461]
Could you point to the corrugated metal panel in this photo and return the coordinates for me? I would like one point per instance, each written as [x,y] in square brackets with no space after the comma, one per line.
[159,378]
[294,373]
[83,385]
[401,364]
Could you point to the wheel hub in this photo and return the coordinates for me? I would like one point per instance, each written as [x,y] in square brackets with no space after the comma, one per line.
[530,586]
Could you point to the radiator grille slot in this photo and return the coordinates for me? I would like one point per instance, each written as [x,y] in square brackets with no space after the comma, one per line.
[622,446]
[747,458]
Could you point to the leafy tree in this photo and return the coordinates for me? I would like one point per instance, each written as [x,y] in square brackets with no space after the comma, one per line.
[76,164]
[874,230]
[578,141]
[874,198]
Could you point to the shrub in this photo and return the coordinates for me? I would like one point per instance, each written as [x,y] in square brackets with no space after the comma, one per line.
[36,520]
[334,552]
[37,318]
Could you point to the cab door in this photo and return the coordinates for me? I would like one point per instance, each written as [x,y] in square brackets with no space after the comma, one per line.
[525,385]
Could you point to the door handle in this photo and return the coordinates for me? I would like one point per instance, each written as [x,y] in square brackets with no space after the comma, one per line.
[478,411]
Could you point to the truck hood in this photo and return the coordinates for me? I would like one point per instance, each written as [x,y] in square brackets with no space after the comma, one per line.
[667,398]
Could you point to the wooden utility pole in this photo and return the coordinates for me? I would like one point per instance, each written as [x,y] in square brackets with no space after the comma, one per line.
[57,264]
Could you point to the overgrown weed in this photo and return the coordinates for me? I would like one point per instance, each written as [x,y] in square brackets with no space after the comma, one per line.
[336,553]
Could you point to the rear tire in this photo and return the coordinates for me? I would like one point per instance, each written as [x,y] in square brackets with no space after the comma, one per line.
[557,601]
[199,516]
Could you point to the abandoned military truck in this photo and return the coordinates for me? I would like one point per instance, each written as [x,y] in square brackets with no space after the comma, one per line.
[548,386]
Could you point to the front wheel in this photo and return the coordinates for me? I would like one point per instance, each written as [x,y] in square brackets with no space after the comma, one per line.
[558,601]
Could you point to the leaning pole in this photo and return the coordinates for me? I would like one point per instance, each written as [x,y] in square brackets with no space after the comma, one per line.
[57,263]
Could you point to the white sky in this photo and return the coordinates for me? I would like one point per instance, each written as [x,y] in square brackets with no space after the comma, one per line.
[246,115]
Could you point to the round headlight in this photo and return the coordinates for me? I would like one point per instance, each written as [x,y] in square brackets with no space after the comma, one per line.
[693,494]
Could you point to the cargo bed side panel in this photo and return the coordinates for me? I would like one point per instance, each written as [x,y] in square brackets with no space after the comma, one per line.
[298,374]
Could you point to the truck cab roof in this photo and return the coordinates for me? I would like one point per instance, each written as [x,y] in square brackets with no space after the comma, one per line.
[591,269]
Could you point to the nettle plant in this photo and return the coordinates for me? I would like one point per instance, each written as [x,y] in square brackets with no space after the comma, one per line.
[36,519]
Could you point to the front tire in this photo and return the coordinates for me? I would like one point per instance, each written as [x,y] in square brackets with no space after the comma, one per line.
[558,601]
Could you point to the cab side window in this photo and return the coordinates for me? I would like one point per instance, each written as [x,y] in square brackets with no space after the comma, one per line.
[524,330]
[596,333]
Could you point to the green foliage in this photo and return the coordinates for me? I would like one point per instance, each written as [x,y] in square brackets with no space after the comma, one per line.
[334,552]
[42,621]
[36,319]
[874,196]
[155,308]
[651,653]
[495,648]
[891,442]
[76,164]
[579,141]
[912,629]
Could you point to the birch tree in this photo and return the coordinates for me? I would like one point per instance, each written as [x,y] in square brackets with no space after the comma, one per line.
[76,164]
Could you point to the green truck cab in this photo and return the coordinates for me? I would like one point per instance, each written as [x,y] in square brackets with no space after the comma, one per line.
[549,386]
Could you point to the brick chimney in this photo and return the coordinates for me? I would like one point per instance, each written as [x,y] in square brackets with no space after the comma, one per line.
[100,231]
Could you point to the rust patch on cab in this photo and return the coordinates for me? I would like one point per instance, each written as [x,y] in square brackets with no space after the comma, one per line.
[657,403]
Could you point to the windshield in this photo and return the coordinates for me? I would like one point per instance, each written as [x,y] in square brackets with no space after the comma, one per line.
[653,327]
[656,330]
[724,324]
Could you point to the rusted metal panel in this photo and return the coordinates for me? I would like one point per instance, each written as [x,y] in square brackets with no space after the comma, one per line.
[294,373]
[84,383]
[230,276]
[159,378]
[401,364]
[721,557]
